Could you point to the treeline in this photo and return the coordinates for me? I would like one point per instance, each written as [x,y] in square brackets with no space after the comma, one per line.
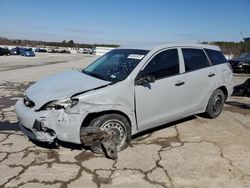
[34,43]
[235,48]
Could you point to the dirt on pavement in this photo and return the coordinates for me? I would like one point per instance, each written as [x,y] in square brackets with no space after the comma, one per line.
[193,152]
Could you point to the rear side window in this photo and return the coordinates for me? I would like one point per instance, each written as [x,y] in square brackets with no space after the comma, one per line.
[164,64]
[216,57]
[194,59]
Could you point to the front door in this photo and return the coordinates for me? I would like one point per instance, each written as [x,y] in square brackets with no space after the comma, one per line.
[161,101]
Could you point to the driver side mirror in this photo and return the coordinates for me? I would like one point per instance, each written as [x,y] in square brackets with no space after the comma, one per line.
[145,79]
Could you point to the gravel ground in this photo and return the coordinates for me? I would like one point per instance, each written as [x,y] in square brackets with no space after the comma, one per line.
[194,152]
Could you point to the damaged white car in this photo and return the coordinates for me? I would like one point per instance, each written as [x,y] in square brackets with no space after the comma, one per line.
[126,91]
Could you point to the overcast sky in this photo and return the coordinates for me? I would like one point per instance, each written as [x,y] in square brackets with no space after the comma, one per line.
[125,21]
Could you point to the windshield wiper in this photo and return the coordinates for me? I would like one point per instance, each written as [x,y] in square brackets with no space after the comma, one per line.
[93,74]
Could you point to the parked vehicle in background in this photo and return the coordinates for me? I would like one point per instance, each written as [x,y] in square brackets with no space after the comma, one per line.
[126,91]
[241,63]
[4,51]
[243,89]
[27,52]
[58,50]
[42,50]
[15,51]
[53,50]
[64,51]
[87,51]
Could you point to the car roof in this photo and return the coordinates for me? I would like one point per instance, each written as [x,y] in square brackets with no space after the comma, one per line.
[151,46]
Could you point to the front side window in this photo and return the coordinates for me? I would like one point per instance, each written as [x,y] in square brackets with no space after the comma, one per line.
[194,59]
[115,65]
[216,57]
[163,64]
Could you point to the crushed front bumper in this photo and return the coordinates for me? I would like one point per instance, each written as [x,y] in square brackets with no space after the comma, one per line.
[37,135]
[47,125]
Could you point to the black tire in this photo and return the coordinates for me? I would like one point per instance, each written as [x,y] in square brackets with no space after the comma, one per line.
[215,104]
[248,92]
[116,123]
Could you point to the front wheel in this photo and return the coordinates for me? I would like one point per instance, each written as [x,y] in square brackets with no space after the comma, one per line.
[215,104]
[115,124]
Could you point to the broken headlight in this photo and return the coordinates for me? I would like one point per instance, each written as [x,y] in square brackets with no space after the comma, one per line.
[60,104]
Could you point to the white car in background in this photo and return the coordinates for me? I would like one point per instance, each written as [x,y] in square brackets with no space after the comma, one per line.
[126,91]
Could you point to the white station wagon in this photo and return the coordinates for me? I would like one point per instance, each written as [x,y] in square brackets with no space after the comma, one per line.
[126,91]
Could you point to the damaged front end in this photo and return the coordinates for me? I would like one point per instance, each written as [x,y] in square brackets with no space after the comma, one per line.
[62,120]
[56,119]
[60,104]
[39,132]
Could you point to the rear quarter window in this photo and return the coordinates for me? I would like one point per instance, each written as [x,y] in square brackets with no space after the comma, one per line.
[194,59]
[216,57]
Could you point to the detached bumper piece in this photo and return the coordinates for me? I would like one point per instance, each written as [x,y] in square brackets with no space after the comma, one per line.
[94,136]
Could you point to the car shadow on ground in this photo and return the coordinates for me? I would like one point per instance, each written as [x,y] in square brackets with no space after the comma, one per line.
[7,126]
[59,143]
[163,126]
[238,104]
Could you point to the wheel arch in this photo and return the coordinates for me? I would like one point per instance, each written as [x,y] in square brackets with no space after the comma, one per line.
[93,115]
[224,90]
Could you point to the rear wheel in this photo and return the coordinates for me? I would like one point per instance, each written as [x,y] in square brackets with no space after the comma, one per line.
[115,124]
[215,104]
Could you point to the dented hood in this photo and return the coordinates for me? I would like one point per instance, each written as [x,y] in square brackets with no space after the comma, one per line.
[62,85]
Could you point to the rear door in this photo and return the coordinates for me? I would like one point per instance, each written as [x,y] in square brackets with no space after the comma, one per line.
[200,78]
[222,67]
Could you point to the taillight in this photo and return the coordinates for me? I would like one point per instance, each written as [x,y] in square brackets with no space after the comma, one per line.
[230,66]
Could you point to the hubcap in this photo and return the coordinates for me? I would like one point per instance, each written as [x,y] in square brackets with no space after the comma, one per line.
[117,129]
[217,104]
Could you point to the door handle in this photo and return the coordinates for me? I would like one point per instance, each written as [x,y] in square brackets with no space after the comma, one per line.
[211,74]
[179,83]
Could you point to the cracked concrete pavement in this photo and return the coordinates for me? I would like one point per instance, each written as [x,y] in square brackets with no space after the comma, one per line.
[193,152]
